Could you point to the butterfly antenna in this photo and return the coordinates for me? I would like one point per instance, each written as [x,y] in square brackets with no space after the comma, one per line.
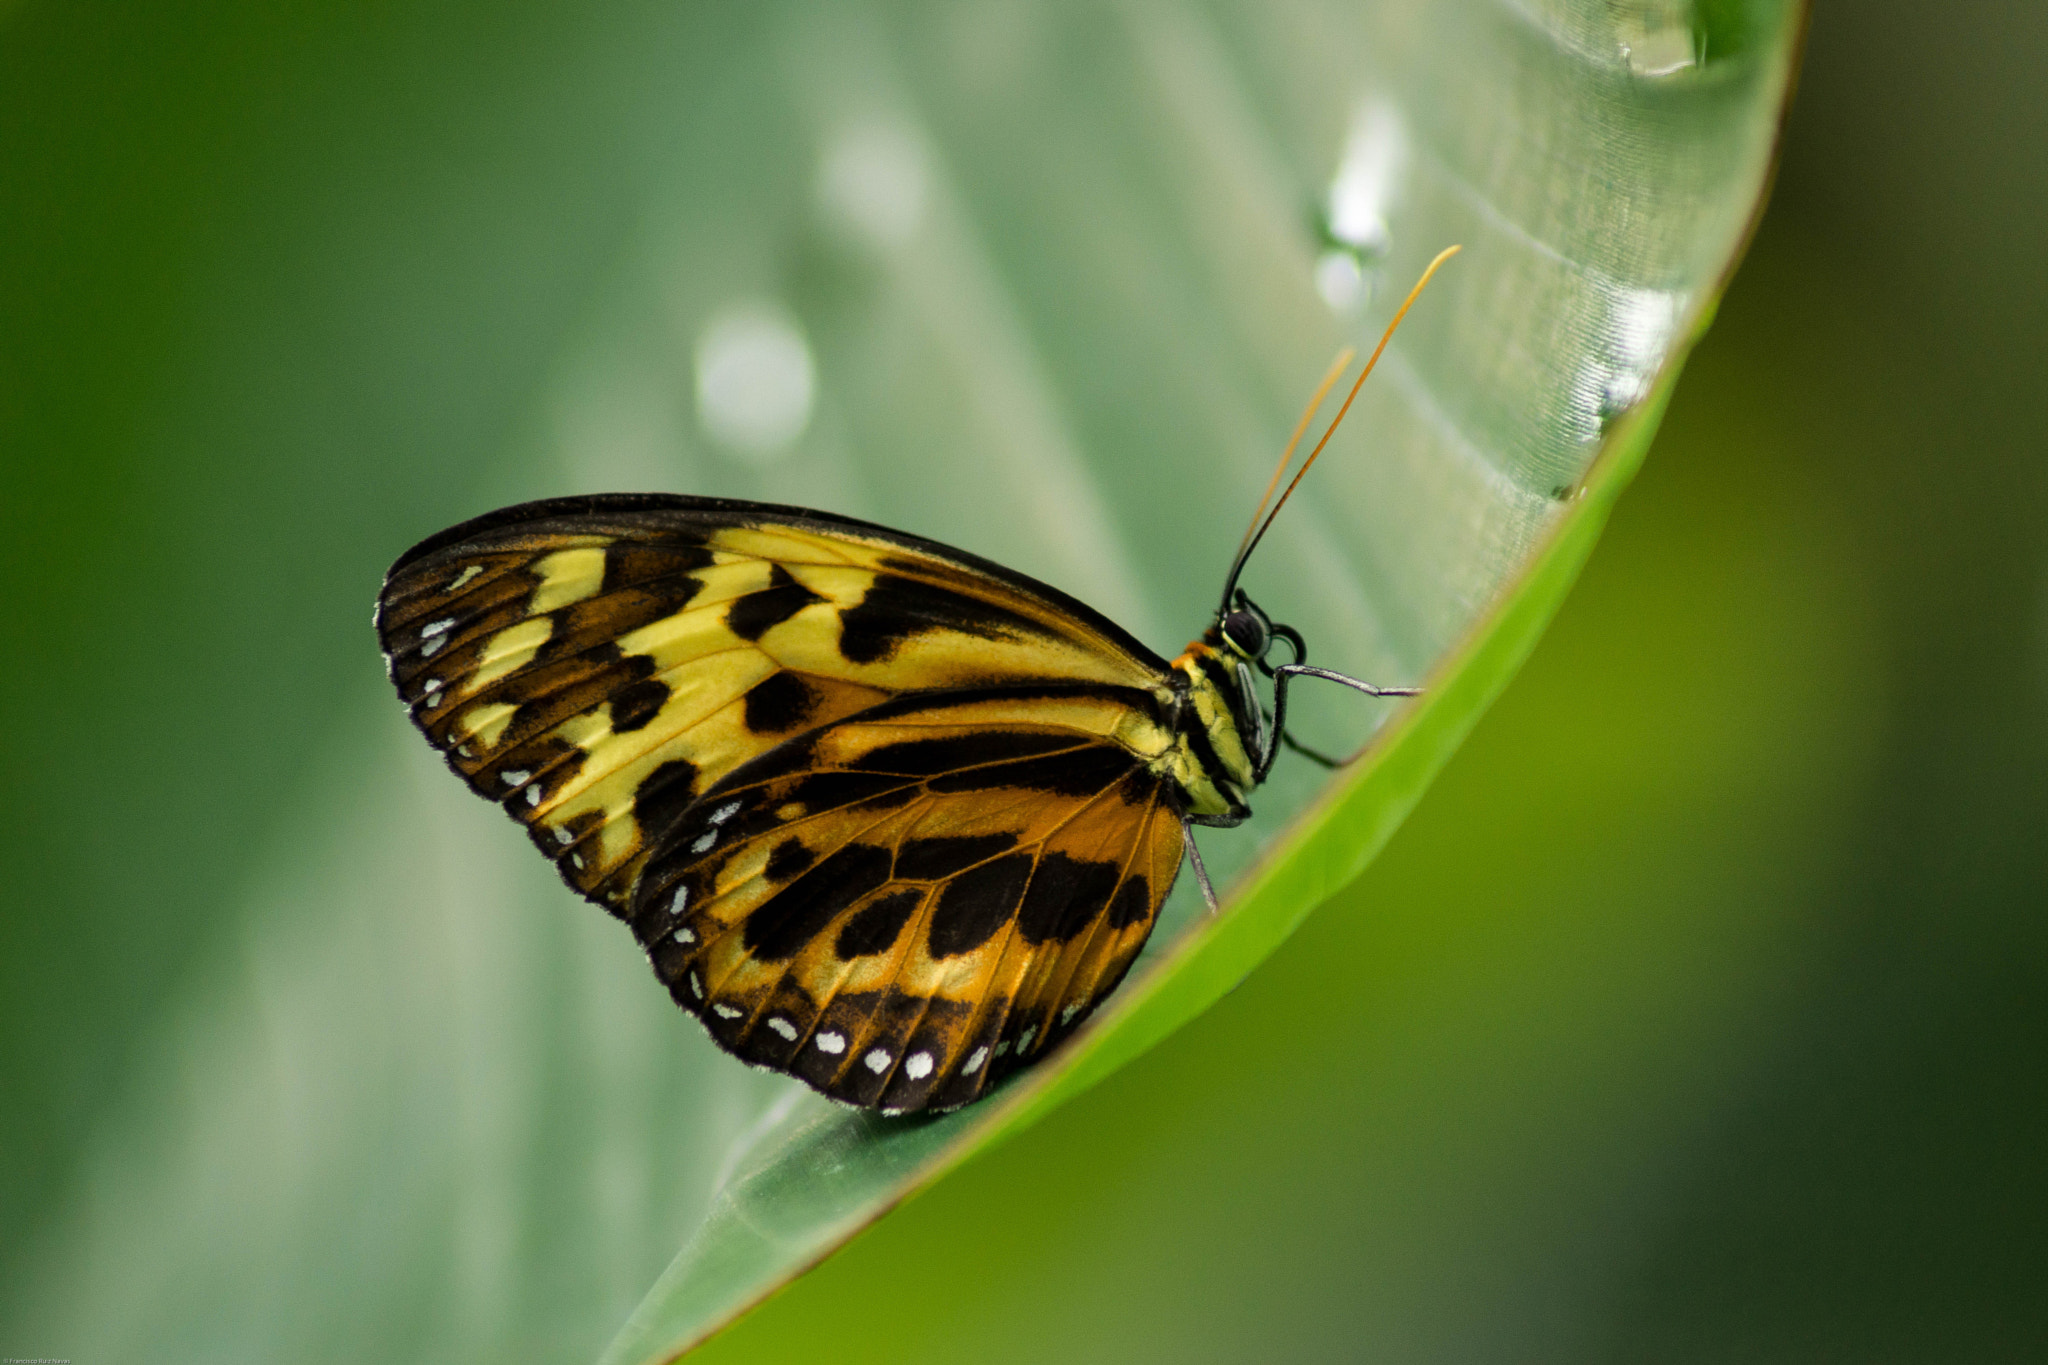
[1337,367]
[1252,541]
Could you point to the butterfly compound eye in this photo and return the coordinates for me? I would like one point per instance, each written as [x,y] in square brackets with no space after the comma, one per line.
[1246,633]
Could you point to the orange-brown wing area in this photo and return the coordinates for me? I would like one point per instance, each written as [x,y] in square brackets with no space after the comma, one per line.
[902,908]
[595,665]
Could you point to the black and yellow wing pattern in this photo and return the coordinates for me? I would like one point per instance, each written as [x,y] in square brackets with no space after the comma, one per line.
[884,815]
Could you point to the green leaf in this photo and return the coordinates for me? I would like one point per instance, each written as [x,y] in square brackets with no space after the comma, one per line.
[1056,283]
[815,1178]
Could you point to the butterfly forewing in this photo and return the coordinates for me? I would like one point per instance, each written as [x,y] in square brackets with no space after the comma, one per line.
[595,664]
[902,908]
[618,671]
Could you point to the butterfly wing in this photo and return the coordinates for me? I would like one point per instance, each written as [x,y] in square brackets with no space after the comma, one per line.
[904,906]
[596,665]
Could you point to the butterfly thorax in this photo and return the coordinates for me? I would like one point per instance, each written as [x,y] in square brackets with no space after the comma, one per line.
[1209,758]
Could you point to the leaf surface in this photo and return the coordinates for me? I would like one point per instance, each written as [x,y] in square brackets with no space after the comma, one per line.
[1047,284]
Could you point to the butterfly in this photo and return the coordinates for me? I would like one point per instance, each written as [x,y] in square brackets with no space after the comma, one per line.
[884,815]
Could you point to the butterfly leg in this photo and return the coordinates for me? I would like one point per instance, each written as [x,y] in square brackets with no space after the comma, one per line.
[1287,673]
[1315,756]
[1187,830]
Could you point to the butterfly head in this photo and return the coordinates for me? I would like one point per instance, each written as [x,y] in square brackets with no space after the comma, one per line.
[1246,631]
[1248,634]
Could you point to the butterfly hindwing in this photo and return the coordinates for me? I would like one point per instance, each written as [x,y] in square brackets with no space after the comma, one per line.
[596,665]
[903,907]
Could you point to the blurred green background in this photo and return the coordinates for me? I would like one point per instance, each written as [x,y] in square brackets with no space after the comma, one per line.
[1697,1014]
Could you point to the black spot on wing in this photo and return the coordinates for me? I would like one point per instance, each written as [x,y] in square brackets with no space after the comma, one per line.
[627,565]
[752,616]
[830,790]
[975,904]
[1131,904]
[895,609]
[789,858]
[1066,893]
[638,704]
[804,909]
[923,860]
[876,926]
[1078,772]
[923,757]
[781,701]
[793,755]
[663,796]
